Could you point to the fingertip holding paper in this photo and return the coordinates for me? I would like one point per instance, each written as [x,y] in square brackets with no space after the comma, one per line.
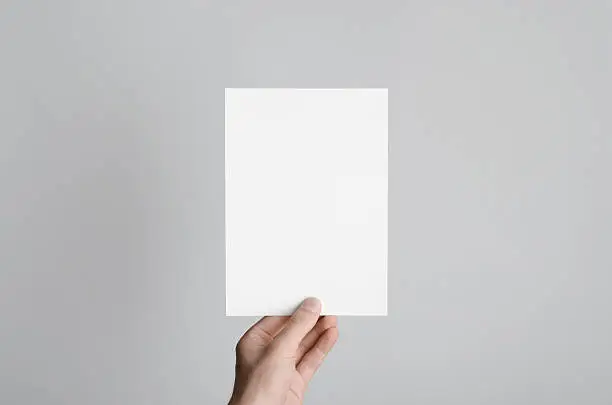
[306,194]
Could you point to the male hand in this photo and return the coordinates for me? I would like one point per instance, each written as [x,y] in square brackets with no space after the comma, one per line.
[277,357]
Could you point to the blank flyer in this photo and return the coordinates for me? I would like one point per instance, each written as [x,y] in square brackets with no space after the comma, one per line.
[306,195]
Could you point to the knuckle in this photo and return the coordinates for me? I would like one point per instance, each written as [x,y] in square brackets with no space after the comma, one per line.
[296,319]
[301,315]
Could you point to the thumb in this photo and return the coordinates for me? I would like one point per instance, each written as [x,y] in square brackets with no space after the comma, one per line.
[299,324]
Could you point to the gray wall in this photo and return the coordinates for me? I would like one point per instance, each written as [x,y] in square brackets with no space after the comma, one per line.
[111,208]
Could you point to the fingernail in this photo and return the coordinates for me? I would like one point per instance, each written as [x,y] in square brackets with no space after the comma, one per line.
[312,304]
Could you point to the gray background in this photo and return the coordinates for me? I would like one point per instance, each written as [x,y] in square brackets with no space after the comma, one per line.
[111,232]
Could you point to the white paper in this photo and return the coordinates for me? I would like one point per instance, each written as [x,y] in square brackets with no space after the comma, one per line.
[306,200]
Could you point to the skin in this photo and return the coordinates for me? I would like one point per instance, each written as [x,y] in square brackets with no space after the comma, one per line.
[278,356]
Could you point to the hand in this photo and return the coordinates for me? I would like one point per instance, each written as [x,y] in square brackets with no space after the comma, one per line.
[277,357]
